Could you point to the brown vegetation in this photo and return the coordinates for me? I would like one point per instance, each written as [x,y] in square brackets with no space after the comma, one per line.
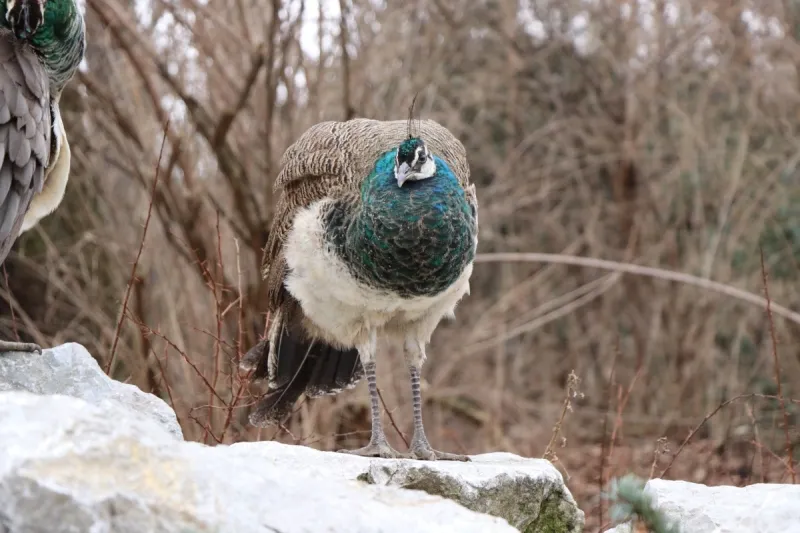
[668,137]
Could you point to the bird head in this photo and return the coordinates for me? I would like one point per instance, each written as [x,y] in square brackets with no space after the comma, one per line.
[413,161]
[24,16]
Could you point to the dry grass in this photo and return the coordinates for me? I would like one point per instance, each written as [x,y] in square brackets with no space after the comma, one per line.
[663,154]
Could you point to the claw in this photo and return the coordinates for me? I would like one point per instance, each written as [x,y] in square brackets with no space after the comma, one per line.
[24,347]
[436,455]
[381,449]
[422,450]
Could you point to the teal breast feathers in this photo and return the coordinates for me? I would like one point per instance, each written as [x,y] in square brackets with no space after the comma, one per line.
[414,240]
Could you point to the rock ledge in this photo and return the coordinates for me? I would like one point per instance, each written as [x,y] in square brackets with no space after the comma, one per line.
[81,452]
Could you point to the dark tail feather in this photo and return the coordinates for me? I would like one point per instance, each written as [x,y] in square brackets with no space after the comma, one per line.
[333,370]
[277,404]
[304,365]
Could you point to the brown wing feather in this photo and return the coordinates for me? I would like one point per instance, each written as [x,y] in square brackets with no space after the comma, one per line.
[24,135]
[331,159]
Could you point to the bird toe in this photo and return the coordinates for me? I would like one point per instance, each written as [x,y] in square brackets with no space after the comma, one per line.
[424,452]
[24,347]
[382,450]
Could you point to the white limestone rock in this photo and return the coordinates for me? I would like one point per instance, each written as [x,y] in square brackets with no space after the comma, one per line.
[70,466]
[697,508]
[71,370]
[80,452]
[529,493]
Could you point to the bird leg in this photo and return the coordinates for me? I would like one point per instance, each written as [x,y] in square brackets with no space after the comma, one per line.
[378,446]
[27,347]
[420,447]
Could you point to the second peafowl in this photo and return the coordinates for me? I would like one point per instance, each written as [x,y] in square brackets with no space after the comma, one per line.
[375,235]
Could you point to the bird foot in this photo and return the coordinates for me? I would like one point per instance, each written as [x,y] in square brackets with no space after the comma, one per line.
[379,449]
[26,347]
[423,452]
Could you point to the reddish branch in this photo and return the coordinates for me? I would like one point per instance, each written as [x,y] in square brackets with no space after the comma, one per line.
[789,450]
[132,277]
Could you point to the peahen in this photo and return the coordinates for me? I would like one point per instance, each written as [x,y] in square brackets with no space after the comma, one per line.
[374,235]
[42,43]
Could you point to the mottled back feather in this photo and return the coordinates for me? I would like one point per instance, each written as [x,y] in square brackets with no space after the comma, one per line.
[330,160]
[25,127]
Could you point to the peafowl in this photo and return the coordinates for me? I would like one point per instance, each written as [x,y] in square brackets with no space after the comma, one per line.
[42,43]
[375,233]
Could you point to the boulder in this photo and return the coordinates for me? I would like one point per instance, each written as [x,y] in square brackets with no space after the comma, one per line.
[71,370]
[80,452]
[70,466]
[697,508]
[529,493]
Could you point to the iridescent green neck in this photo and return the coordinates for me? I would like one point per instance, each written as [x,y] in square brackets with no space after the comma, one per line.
[413,240]
[60,41]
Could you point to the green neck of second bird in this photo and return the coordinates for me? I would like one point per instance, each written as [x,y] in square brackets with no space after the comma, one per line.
[60,41]
[413,241]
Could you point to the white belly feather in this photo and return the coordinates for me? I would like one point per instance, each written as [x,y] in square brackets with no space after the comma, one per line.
[55,181]
[347,310]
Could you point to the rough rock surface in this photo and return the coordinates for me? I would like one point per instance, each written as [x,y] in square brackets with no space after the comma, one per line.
[71,370]
[697,508]
[87,454]
[529,493]
[71,466]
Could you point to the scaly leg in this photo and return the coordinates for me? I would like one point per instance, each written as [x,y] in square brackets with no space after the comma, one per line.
[26,347]
[420,447]
[378,446]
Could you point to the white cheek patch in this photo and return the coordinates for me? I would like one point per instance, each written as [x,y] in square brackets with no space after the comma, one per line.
[428,169]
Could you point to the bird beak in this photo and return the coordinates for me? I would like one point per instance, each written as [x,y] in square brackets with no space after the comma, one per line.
[402,174]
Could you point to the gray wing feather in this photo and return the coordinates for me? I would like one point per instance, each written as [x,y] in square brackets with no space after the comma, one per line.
[5,113]
[25,131]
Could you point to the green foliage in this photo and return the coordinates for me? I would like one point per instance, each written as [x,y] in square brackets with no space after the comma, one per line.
[632,502]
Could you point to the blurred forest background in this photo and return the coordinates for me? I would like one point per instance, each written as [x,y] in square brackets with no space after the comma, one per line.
[662,133]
